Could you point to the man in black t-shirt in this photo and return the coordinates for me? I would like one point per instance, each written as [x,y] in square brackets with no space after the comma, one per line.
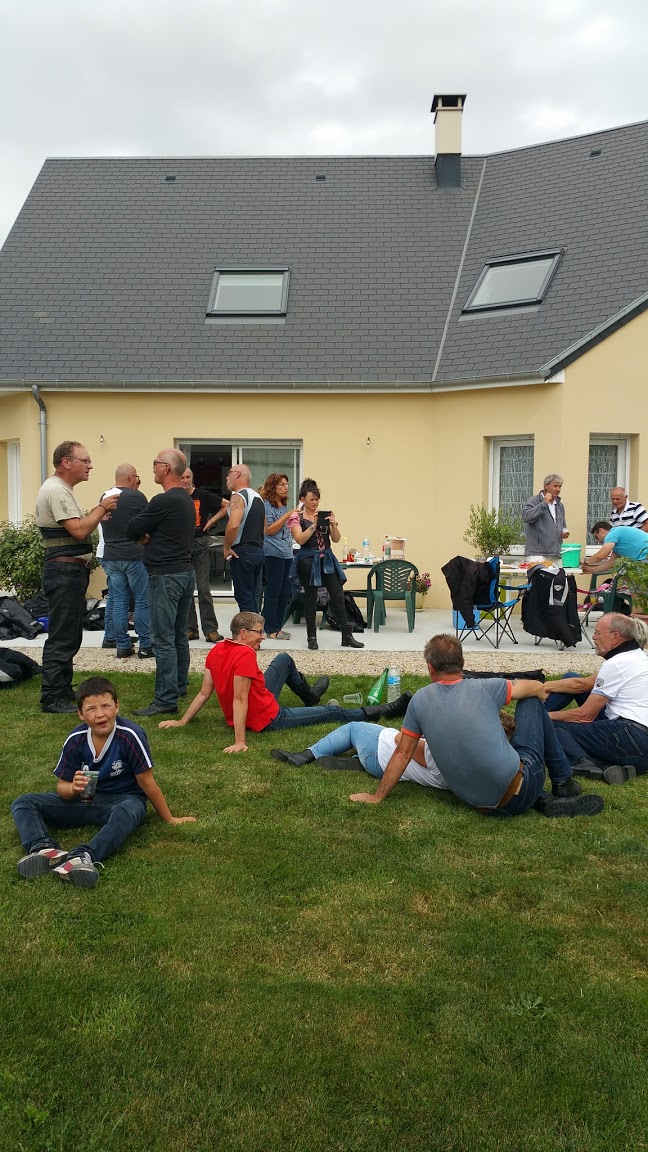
[209,509]
[165,528]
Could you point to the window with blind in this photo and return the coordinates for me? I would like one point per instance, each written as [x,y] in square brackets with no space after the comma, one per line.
[608,468]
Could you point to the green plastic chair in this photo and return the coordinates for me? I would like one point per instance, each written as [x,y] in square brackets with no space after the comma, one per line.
[389,580]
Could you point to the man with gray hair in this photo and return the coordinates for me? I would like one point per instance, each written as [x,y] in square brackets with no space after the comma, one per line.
[243,543]
[545,525]
[122,561]
[627,513]
[165,528]
[606,736]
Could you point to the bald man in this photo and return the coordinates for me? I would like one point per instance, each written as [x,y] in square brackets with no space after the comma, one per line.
[123,563]
[243,543]
[627,513]
[166,527]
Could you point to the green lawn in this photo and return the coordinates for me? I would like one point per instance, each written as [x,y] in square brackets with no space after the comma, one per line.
[295,972]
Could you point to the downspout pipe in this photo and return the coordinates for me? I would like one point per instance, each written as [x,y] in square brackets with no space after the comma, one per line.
[42,425]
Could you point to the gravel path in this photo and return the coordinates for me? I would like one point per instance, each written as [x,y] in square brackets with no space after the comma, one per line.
[354,663]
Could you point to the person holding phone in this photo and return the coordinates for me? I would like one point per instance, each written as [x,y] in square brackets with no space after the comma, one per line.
[317,567]
[545,522]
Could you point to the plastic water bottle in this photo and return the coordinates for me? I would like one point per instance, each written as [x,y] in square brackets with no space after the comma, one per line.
[387,548]
[393,685]
[365,547]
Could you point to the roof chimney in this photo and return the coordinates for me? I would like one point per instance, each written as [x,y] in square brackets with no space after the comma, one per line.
[448,111]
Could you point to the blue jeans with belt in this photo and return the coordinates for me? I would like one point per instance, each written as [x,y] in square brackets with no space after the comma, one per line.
[169,597]
[535,742]
[116,814]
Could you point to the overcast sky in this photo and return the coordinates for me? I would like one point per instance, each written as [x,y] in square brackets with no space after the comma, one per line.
[276,77]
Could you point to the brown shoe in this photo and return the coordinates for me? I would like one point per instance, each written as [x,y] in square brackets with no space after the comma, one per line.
[213,637]
[193,635]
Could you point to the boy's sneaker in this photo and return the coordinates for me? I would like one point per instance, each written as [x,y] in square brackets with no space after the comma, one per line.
[78,871]
[40,863]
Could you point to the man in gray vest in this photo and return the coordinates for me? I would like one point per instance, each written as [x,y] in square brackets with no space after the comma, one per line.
[243,544]
[66,533]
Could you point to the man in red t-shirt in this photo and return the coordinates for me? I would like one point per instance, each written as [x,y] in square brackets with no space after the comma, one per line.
[249,698]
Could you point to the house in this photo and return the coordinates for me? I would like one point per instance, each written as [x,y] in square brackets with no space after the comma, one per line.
[419,333]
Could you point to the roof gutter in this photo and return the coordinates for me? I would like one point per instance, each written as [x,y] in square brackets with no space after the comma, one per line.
[42,425]
[277,387]
[635,308]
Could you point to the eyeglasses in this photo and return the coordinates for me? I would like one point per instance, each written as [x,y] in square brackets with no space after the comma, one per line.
[259,631]
[161,462]
[80,459]
[234,472]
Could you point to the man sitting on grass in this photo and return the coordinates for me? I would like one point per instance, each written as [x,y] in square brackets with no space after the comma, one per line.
[249,699]
[460,722]
[119,752]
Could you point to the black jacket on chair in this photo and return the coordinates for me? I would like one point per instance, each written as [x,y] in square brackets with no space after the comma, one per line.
[547,611]
[469,582]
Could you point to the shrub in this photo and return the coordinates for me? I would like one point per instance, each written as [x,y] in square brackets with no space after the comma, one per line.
[491,532]
[21,558]
[635,574]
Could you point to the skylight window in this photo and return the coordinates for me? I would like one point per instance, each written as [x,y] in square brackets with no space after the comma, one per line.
[512,281]
[249,293]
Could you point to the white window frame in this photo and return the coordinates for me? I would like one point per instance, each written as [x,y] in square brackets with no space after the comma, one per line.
[623,470]
[496,444]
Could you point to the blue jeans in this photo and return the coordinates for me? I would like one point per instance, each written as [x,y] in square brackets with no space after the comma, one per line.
[169,598]
[116,815]
[278,591]
[360,735]
[535,742]
[283,670]
[611,741]
[246,571]
[125,576]
[65,586]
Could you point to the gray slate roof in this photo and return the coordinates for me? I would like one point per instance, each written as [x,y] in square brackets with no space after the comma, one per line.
[105,277]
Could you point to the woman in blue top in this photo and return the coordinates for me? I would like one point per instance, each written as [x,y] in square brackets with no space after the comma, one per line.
[278,549]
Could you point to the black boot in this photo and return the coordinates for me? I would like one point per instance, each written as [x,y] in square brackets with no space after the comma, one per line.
[297,759]
[311,694]
[349,640]
[339,763]
[388,711]
[312,641]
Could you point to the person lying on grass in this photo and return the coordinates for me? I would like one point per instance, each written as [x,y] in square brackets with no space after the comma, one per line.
[249,698]
[118,752]
[460,722]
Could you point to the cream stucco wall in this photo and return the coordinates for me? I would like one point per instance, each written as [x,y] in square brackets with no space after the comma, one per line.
[398,464]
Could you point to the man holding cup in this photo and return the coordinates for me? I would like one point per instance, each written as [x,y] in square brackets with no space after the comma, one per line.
[105,776]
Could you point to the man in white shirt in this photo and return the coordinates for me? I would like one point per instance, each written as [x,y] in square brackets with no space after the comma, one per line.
[607,735]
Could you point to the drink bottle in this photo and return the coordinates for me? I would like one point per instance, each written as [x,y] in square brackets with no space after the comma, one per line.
[376,691]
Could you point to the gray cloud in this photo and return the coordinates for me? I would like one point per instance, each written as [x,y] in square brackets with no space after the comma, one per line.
[268,77]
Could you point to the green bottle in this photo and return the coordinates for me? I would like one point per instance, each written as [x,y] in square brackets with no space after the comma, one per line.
[375,693]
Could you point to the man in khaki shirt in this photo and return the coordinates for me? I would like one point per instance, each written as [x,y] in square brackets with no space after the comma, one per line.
[66,533]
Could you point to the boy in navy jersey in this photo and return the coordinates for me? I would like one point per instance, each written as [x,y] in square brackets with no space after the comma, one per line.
[118,750]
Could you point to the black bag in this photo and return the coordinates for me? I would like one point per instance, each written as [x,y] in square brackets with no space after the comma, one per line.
[94,619]
[36,606]
[15,621]
[15,667]
[354,616]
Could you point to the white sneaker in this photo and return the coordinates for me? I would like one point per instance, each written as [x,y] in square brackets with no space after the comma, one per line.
[78,871]
[40,863]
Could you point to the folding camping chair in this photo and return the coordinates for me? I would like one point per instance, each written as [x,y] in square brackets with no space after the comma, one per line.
[500,610]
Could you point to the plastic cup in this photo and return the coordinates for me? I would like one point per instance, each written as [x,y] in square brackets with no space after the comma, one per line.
[87,796]
[353,698]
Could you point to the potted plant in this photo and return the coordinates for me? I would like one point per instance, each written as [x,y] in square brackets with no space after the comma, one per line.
[423,585]
[490,532]
[634,574]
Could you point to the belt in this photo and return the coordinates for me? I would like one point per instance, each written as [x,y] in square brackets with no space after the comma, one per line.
[636,723]
[68,560]
[513,788]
